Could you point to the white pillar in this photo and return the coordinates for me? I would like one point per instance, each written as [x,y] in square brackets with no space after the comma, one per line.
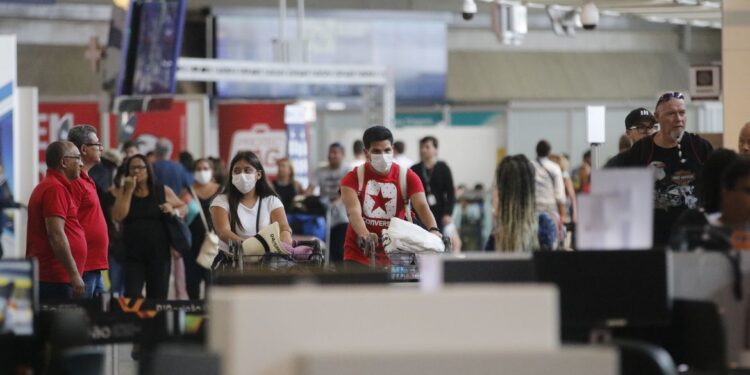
[28,173]
[735,54]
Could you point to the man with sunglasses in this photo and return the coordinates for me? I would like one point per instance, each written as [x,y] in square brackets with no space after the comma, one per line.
[90,213]
[54,235]
[639,123]
[677,158]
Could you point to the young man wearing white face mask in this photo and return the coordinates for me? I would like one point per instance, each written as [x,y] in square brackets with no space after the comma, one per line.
[372,204]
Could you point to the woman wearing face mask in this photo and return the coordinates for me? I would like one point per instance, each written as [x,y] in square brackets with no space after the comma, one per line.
[248,203]
[205,189]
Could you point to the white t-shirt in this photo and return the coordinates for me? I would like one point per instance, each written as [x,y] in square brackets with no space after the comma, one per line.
[248,215]
[550,188]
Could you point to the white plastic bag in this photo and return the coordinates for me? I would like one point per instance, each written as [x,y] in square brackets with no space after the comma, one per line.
[402,235]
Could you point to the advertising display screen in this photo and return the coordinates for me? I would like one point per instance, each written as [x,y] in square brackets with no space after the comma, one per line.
[150,44]
[159,42]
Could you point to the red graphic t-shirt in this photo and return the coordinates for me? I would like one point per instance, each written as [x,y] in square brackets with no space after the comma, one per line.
[381,200]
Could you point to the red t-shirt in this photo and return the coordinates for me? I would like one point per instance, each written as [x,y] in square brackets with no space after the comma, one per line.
[91,217]
[53,197]
[381,200]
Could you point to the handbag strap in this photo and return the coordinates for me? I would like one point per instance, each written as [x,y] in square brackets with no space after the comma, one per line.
[263,243]
[200,210]
[161,195]
[257,216]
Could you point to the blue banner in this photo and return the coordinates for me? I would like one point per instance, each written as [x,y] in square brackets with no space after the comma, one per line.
[6,132]
[298,152]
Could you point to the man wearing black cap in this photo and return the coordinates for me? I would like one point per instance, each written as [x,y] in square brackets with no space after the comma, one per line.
[677,158]
[639,123]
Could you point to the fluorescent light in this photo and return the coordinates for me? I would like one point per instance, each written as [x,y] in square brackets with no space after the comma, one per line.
[335,106]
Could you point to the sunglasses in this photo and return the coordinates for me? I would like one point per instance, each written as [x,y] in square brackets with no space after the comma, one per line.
[667,96]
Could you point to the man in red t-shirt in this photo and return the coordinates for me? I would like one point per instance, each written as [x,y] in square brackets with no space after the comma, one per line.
[54,236]
[380,198]
[90,213]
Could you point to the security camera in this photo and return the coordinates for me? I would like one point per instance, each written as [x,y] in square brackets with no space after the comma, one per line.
[589,16]
[468,9]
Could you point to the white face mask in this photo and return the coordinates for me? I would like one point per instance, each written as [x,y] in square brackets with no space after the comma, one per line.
[203,177]
[381,162]
[244,182]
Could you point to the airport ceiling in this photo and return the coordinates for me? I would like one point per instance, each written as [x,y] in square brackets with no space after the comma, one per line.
[702,13]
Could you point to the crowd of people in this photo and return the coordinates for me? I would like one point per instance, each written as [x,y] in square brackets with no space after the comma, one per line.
[98,211]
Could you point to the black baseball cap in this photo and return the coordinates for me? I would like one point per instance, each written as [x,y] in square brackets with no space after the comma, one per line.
[637,115]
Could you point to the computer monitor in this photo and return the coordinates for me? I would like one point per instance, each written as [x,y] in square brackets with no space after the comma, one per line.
[489,268]
[607,289]
[19,296]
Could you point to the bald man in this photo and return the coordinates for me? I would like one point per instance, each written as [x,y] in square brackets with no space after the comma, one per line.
[54,235]
[744,145]
[677,157]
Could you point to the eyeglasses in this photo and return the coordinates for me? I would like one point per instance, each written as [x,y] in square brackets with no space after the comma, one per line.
[667,96]
[643,129]
[137,168]
[77,157]
[97,145]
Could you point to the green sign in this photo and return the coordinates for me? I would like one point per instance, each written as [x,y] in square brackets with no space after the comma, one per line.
[406,119]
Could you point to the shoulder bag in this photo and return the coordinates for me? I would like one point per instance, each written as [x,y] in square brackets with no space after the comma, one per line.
[180,237]
[210,246]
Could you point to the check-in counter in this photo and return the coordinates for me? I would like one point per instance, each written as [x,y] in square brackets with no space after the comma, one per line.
[708,276]
[588,360]
[264,330]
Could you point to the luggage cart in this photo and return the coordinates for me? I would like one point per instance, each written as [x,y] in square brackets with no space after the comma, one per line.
[235,260]
[403,267]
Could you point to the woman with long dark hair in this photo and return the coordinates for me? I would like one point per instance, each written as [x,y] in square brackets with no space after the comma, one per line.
[248,203]
[140,204]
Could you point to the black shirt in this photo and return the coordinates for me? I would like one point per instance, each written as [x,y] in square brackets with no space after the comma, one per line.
[675,177]
[286,194]
[103,175]
[437,181]
[616,161]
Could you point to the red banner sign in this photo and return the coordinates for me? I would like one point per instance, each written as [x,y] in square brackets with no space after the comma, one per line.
[258,128]
[151,126]
[56,119]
